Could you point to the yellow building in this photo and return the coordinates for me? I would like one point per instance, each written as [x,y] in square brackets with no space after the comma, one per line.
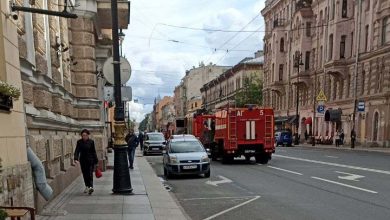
[15,172]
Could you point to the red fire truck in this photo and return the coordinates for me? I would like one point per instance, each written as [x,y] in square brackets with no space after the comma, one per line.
[244,132]
[233,132]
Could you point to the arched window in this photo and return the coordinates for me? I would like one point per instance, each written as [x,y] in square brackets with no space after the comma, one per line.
[282,44]
[375,127]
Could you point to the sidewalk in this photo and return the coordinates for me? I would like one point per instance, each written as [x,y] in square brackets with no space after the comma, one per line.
[150,199]
[348,148]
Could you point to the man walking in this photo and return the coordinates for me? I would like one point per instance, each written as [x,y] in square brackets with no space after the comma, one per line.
[132,143]
[141,140]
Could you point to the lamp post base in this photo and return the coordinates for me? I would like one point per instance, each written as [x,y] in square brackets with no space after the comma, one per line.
[122,182]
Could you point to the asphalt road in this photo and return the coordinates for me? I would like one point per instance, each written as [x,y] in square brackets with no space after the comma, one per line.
[298,183]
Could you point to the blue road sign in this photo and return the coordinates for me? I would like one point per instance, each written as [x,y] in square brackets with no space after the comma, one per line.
[361,106]
[320,108]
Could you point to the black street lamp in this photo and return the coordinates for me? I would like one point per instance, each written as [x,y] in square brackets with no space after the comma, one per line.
[122,182]
[297,58]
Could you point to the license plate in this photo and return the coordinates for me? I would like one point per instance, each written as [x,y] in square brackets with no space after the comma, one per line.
[190,167]
[156,149]
[249,151]
[284,142]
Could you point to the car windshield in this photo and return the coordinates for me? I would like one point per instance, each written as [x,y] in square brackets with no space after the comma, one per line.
[186,147]
[155,137]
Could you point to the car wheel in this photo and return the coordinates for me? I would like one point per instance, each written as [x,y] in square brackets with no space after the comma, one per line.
[207,175]
[144,153]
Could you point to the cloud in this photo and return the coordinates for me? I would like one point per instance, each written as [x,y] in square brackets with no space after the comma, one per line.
[160,55]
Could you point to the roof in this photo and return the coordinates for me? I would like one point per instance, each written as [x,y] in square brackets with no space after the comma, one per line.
[258,60]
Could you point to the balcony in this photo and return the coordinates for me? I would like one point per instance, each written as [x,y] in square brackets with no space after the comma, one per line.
[303,4]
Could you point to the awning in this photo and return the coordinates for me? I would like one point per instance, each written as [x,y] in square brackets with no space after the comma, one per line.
[281,119]
[333,115]
[308,121]
[293,119]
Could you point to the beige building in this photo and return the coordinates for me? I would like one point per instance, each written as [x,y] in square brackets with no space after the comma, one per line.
[57,67]
[188,91]
[16,183]
[222,90]
[332,36]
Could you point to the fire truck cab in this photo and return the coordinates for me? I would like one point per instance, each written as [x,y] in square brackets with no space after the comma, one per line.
[244,132]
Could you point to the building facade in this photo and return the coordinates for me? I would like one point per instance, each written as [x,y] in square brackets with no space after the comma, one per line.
[344,46]
[56,62]
[16,183]
[188,92]
[222,90]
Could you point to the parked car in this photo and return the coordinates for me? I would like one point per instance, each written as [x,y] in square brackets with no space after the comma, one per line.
[283,138]
[185,156]
[154,143]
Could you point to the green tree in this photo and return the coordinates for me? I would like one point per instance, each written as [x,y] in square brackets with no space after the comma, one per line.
[144,123]
[251,92]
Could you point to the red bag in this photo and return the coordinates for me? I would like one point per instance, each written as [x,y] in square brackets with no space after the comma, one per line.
[98,173]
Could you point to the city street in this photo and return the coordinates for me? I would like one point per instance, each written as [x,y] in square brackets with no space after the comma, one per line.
[298,183]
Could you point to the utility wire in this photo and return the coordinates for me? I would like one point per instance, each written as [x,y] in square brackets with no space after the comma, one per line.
[243,28]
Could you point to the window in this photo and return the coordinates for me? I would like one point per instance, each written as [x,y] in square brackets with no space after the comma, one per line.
[366,39]
[368,5]
[352,46]
[375,127]
[282,44]
[386,30]
[307,60]
[363,82]
[342,46]
[320,56]
[330,52]
[344,10]
[273,72]
[281,72]
[308,29]
[196,104]
[333,9]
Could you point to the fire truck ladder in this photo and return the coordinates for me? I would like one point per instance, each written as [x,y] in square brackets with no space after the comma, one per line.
[268,130]
[233,129]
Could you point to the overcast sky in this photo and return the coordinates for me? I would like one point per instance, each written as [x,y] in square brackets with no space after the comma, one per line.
[160,54]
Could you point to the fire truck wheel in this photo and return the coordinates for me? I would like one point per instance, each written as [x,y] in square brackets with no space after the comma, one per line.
[207,175]
[248,158]
[262,158]
[226,159]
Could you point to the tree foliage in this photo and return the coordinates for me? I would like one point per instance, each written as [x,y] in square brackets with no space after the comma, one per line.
[251,92]
[144,123]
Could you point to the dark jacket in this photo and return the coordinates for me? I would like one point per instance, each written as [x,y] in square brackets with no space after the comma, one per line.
[131,140]
[141,137]
[85,152]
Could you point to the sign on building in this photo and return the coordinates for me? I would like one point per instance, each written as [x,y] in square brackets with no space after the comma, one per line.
[125,90]
[361,106]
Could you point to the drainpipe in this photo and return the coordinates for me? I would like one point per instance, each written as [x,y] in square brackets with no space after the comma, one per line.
[358,24]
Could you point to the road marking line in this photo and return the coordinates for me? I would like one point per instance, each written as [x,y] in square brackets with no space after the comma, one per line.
[335,164]
[350,176]
[342,184]
[223,180]
[288,171]
[232,208]
[227,197]
[331,156]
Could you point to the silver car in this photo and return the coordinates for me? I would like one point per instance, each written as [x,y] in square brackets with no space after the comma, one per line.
[154,143]
[185,156]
